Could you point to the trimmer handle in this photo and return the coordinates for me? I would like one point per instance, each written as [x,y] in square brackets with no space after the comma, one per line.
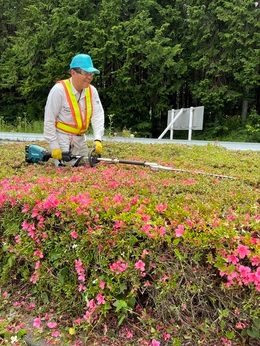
[93,158]
[67,156]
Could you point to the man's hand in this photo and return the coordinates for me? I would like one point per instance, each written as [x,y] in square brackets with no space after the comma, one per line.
[56,154]
[98,147]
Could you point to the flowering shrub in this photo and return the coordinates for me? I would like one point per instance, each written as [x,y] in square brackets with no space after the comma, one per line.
[165,257]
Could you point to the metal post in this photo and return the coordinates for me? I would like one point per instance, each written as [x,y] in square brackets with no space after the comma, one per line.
[190,123]
[172,117]
[171,123]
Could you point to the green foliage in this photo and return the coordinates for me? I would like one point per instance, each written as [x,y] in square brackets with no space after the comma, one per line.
[153,55]
[254,331]
[122,246]
[21,125]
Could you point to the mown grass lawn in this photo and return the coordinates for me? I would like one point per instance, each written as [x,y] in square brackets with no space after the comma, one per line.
[125,255]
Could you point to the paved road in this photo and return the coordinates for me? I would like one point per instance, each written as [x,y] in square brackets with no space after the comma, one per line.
[32,137]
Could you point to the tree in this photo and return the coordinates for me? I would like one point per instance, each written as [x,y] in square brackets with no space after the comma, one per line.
[224,57]
[153,55]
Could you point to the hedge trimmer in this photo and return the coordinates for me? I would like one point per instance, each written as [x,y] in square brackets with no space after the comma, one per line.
[36,154]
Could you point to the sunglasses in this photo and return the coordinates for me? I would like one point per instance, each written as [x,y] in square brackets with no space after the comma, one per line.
[82,72]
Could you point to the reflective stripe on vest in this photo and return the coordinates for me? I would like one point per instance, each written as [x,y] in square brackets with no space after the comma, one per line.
[80,122]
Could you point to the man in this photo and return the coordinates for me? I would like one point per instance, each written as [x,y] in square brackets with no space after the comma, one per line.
[71,106]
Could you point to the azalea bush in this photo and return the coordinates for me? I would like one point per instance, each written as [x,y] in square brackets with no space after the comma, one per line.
[129,255]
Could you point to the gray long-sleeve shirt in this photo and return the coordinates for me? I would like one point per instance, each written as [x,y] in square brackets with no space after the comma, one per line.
[57,109]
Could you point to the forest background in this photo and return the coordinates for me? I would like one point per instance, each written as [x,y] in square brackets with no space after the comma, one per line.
[154,55]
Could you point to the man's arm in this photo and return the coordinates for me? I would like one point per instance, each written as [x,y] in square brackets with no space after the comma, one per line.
[52,109]
[98,118]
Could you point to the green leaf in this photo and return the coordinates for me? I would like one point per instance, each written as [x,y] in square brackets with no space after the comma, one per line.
[11,260]
[63,275]
[21,333]
[230,335]
[178,254]
[121,320]
[120,305]
[122,287]
[254,333]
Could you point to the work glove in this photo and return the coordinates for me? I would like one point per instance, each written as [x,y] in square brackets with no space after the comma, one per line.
[56,154]
[98,147]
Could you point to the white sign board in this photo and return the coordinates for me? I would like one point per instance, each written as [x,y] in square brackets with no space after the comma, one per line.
[182,123]
[184,119]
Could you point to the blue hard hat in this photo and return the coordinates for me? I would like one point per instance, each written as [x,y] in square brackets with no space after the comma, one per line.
[84,62]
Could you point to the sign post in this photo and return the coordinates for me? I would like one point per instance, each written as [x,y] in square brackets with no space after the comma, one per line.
[184,119]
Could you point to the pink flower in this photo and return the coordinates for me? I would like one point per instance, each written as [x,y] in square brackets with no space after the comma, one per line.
[232,276]
[162,231]
[140,265]
[74,234]
[155,343]
[129,334]
[226,342]
[38,253]
[242,251]
[26,208]
[118,198]
[255,260]
[118,224]
[240,325]
[231,217]
[77,321]
[118,266]
[126,333]
[189,223]
[87,316]
[30,307]
[232,259]
[144,253]
[80,270]
[244,270]
[146,218]
[134,200]
[34,277]
[91,304]
[52,325]
[166,336]
[30,228]
[50,202]
[37,265]
[165,278]
[100,299]
[82,288]
[37,322]
[17,239]
[44,235]
[55,334]
[179,231]
[102,284]
[161,207]
[258,273]
[147,228]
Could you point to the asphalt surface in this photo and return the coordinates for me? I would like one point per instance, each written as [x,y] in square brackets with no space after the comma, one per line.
[34,137]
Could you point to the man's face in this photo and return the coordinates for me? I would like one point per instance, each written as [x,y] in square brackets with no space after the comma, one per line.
[81,79]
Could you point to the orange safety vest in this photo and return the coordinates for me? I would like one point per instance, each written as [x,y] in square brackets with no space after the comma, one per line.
[80,121]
